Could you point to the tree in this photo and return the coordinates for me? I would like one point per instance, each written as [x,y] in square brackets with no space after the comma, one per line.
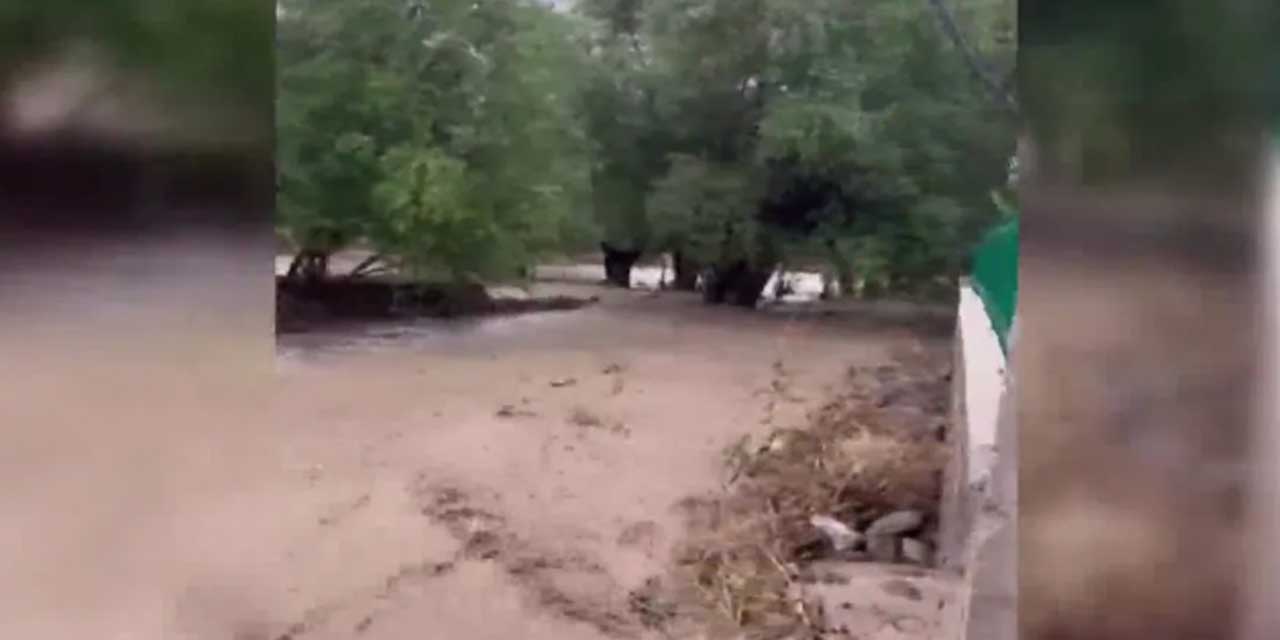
[629,140]
[443,134]
[863,122]
[467,139]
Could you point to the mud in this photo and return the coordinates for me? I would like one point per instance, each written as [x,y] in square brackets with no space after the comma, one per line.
[391,496]
[551,458]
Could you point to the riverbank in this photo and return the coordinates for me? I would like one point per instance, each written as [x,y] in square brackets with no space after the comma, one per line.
[303,306]
[559,287]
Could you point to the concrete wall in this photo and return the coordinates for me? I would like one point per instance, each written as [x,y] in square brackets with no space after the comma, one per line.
[980,491]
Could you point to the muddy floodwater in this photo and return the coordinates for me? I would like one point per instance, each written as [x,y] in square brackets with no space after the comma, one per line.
[567,436]
[503,478]
[800,286]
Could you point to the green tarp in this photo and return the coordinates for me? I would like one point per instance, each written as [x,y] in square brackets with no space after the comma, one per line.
[995,277]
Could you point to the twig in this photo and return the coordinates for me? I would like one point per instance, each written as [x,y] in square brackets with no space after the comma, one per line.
[726,598]
[801,609]
[782,569]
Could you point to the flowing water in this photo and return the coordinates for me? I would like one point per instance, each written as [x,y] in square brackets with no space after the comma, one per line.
[800,286]
[495,478]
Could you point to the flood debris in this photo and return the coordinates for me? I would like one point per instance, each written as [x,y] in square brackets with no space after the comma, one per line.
[615,371]
[842,537]
[650,604]
[513,411]
[851,486]
[586,418]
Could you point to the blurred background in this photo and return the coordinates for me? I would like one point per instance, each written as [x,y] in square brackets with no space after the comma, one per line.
[106,104]
[1150,132]
[136,182]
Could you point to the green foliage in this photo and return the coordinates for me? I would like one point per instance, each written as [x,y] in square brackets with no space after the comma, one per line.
[1156,91]
[705,210]
[471,138]
[875,144]
[617,103]
[426,218]
[444,133]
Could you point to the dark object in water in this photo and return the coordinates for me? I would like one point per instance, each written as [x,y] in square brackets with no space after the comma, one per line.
[617,265]
[301,303]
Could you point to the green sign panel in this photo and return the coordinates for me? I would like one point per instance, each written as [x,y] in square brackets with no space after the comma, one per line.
[995,277]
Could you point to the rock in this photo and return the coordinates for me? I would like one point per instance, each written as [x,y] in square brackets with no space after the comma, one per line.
[917,552]
[897,523]
[841,536]
[883,548]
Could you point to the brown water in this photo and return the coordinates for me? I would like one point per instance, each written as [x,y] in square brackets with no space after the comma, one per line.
[803,286]
[617,412]
[508,477]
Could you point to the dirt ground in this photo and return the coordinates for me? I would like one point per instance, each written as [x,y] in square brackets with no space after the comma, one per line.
[509,477]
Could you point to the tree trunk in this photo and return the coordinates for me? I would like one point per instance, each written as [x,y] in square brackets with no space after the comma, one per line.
[829,291]
[840,264]
[617,265]
[739,284]
[782,288]
[309,267]
[844,275]
[686,272]
[749,287]
[714,285]
[295,267]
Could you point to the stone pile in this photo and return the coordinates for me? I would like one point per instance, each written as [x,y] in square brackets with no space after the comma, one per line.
[893,538]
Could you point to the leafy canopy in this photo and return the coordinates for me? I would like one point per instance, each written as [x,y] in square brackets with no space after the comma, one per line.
[443,133]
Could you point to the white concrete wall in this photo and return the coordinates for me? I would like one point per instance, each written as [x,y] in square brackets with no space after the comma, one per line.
[980,493]
[984,364]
